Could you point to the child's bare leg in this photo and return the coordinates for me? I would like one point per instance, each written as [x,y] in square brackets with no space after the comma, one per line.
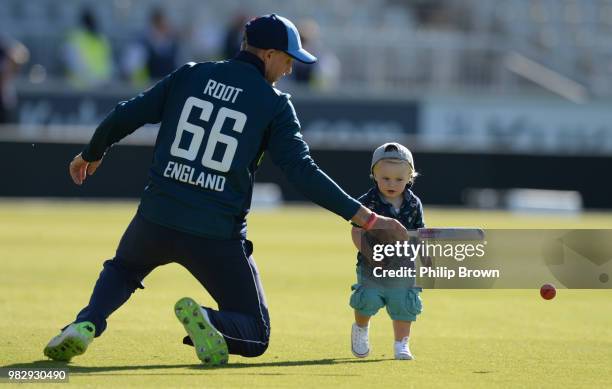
[401,347]
[401,329]
[361,320]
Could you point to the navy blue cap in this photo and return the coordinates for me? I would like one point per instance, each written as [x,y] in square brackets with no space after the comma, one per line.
[276,32]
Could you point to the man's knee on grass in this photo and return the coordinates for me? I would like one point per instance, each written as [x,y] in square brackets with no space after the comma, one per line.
[251,341]
[255,350]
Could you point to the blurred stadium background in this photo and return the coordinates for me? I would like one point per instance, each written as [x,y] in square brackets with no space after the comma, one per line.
[505,104]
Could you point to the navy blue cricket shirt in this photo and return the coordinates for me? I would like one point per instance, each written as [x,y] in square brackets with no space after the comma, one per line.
[217,121]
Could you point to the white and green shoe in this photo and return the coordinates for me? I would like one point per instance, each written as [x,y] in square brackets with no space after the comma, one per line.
[72,341]
[209,343]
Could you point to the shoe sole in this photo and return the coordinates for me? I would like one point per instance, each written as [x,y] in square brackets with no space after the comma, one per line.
[209,344]
[403,358]
[70,347]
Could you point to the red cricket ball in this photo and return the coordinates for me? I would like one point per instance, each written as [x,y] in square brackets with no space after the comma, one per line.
[548,291]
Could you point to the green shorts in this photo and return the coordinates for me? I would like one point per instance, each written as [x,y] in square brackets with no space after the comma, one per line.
[401,303]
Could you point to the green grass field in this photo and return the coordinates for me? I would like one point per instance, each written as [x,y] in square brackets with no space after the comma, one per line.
[51,254]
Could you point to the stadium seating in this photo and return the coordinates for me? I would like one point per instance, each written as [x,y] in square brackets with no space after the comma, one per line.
[389,44]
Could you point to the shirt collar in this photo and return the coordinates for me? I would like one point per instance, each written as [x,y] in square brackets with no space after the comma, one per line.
[250,58]
[382,199]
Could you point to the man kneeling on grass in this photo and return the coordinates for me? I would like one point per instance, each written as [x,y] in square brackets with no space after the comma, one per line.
[217,120]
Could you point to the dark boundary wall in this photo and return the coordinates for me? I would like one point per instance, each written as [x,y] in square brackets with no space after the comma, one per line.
[41,170]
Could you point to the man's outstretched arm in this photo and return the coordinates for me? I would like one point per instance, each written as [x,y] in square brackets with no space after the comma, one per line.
[124,119]
[289,151]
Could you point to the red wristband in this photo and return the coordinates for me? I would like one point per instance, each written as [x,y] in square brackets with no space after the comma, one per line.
[370,222]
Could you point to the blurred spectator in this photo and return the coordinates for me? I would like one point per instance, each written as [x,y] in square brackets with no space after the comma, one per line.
[233,36]
[304,73]
[326,72]
[440,14]
[161,46]
[13,55]
[155,54]
[88,55]
[204,34]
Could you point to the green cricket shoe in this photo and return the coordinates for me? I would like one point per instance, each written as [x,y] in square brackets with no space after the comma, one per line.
[72,341]
[209,343]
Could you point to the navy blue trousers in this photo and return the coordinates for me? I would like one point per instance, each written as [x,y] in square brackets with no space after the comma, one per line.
[225,268]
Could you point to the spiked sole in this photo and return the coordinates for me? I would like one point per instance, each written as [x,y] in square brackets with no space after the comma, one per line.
[71,346]
[209,344]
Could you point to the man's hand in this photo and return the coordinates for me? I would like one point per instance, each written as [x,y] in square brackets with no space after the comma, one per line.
[381,223]
[80,169]
[387,223]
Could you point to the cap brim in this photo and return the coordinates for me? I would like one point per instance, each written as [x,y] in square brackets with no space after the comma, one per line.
[302,56]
